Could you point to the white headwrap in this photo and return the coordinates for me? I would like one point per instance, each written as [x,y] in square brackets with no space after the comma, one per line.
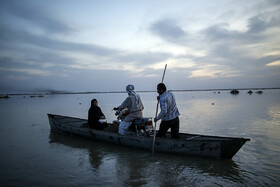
[130,91]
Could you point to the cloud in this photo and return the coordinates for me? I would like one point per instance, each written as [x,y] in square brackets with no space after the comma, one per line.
[275,63]
[28,71]
[257,26]
[40,46]
[261,23]
[38,17]
[143,59]
[16,77]
[214,71]
[227,52]
[168,30]
[220,33]
[53,44]
[65,57]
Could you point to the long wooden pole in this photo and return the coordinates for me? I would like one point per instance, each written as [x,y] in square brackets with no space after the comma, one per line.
[154,140]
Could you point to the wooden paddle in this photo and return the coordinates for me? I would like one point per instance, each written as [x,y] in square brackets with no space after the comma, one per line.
[153,149]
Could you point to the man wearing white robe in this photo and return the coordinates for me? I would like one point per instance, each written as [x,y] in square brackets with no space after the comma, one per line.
[135,107]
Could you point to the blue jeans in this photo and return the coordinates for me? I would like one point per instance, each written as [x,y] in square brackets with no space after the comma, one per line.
[123,127]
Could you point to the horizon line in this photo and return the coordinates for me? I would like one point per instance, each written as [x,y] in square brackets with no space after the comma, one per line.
[47,92]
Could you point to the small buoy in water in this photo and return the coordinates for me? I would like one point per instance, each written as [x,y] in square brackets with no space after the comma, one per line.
[80,103]
[213,103]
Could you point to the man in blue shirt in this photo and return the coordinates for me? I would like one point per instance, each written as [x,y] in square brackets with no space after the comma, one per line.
[169,113]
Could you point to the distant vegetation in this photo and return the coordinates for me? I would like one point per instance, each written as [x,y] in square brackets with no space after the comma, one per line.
[36,96]
[4,97]
[250,92]
[234,92]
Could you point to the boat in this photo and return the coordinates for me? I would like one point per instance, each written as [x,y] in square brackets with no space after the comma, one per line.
[188,144]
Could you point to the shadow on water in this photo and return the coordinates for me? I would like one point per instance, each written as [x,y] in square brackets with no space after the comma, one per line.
[134,167]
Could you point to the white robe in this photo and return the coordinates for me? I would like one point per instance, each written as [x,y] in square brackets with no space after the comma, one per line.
[135,111]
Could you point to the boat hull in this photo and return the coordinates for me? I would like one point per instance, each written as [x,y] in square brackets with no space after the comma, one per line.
[188,144]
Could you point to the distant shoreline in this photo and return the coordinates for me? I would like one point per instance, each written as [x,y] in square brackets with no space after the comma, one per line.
[139,91]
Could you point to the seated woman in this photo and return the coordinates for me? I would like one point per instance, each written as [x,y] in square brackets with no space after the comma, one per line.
[96,118]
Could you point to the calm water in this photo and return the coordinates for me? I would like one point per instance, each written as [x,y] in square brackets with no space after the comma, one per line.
[32,155]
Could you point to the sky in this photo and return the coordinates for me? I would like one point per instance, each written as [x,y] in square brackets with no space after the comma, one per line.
[90,45]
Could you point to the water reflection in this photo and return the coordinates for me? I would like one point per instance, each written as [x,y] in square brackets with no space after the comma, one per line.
[132,167]
[94,149]
[274,114]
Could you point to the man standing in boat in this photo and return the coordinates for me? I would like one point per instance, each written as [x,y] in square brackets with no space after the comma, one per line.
[169,113]
[135,107]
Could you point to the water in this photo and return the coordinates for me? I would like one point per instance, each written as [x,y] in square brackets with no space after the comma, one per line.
[32,155]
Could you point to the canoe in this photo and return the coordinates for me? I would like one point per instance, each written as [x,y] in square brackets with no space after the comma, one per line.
[187,144]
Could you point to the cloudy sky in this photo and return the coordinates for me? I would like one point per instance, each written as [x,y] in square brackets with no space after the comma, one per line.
[95,45]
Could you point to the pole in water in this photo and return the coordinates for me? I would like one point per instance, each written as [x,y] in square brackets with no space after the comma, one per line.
[154,140]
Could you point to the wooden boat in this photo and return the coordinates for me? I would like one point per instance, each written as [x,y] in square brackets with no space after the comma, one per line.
[187,144]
